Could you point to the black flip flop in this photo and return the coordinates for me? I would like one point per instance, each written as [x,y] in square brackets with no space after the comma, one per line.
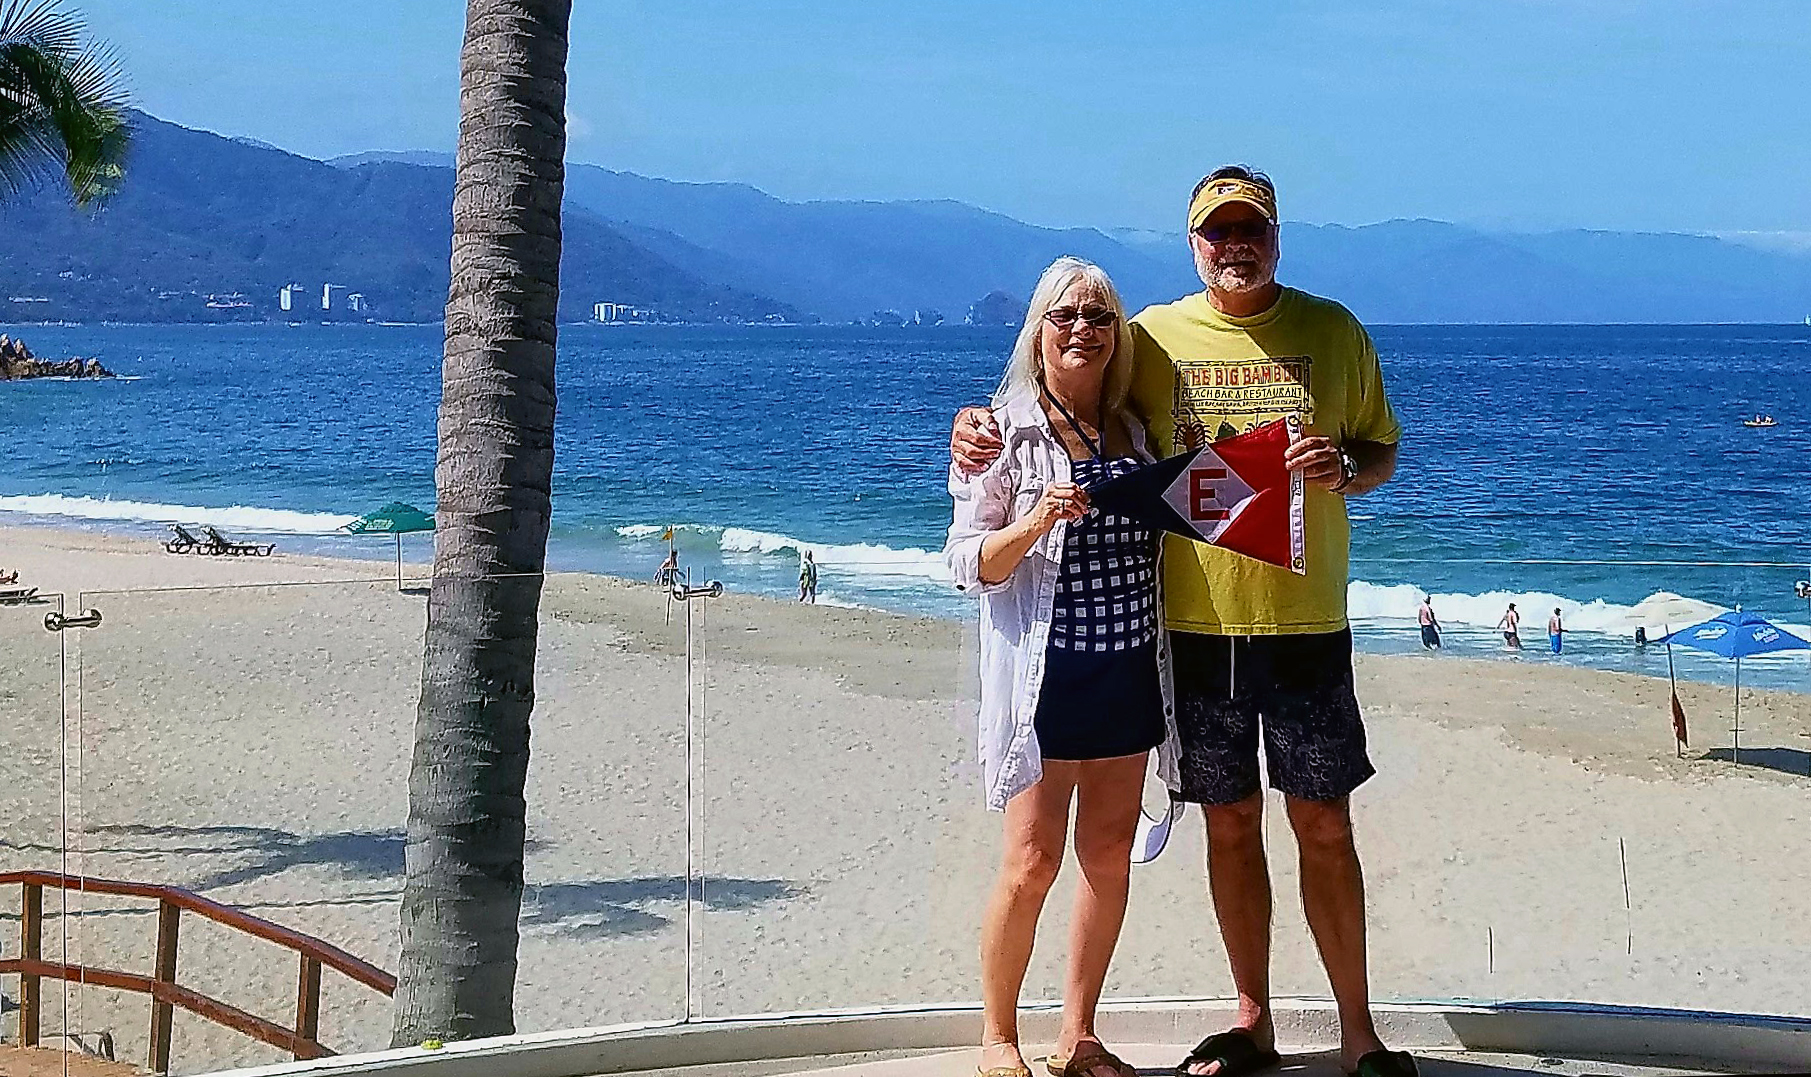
[1386,1064]
[1236,1052]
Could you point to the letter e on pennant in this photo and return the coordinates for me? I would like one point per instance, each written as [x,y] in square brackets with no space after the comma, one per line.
[1204,501]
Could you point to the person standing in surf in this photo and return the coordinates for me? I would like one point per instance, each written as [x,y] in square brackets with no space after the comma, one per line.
[1263,656]
[1511,625]
[1556,629]
[807,578]
[1430,625]
[1073,662]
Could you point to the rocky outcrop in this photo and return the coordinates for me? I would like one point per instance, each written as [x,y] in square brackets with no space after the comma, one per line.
[17,362]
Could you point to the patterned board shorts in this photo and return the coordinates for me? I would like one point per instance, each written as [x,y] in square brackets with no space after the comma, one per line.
[1296,690]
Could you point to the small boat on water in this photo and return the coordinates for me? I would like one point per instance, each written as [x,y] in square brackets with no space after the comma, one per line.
[1760,421]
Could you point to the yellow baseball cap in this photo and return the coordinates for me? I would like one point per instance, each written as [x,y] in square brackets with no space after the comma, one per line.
[1219,192]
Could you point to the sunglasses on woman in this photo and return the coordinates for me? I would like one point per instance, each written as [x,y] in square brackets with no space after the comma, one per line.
[1097,317]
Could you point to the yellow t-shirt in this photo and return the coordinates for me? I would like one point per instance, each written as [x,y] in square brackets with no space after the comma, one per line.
[1199,375]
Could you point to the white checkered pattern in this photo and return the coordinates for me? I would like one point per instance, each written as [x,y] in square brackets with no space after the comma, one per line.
[1106,594]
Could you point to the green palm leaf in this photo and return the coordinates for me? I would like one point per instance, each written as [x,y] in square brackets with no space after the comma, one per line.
[62,103]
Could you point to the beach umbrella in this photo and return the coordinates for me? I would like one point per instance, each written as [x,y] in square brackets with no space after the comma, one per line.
[396,519]
[1737,635]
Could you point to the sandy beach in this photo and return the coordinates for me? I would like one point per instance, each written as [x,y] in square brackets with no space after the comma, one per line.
[242,729]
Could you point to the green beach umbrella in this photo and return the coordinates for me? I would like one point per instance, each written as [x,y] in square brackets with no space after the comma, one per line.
[397,519]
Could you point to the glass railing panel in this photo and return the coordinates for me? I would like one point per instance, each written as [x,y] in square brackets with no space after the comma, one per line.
[603,917]
[248,745]
[252,745]
[36,805]
[846,854]
[1536,832]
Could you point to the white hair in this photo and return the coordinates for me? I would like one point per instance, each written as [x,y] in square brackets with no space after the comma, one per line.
[1025,369]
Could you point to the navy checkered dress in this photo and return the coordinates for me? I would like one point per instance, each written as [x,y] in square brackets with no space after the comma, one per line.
[1100,696]
[1106,595]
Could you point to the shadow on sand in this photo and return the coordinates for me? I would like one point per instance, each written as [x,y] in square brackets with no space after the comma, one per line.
[588,908]
[1785,760]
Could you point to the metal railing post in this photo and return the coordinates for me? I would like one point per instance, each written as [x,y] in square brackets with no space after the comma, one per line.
[162,1011]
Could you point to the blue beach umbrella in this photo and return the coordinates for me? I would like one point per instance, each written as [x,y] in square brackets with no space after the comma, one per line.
[1737,635]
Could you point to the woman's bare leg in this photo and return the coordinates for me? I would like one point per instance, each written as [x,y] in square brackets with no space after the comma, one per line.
[1037,824]
[1106,820]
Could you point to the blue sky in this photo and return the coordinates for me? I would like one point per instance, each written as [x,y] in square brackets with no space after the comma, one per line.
[1684,115]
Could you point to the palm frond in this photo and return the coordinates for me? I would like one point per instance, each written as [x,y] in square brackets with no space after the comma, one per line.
[62,104]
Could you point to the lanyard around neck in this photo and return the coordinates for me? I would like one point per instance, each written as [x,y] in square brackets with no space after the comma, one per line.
[1095,449]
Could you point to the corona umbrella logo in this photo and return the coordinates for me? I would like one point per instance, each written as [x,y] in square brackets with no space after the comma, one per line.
[1234,493]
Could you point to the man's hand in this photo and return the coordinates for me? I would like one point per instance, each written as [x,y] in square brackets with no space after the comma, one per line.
[1317,458]
[974,440]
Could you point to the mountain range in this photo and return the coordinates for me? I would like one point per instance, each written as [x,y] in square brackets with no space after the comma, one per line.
[212,228]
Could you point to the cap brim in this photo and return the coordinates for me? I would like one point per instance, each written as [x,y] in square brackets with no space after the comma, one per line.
[1210,208]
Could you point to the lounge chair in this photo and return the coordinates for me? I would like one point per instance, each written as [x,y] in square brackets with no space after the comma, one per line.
[181,541]
[16,596]
[218,544]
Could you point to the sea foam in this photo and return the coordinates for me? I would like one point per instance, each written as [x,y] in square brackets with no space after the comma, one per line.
[865,558]
[236,517]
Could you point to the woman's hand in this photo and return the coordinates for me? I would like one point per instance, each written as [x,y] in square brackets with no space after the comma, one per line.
[1060,501]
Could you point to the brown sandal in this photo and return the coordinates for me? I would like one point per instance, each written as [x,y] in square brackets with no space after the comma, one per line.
[1083,1062]
[1003,1071]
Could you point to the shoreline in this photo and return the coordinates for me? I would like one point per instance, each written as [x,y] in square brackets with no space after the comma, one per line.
[46,548]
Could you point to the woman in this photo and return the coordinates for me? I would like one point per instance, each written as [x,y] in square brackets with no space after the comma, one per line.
[1074,689]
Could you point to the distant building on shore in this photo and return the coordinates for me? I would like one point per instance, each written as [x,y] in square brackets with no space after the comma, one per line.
[619,313]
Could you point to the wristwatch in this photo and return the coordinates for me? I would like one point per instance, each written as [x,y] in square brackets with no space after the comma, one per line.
[1348,470]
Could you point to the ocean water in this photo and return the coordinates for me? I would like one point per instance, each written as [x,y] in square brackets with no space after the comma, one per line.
[1525,445]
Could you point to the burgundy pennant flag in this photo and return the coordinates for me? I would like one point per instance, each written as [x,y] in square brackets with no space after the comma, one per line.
[1234,493]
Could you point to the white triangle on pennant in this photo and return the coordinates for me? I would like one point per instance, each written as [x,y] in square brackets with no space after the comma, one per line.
[1208,494]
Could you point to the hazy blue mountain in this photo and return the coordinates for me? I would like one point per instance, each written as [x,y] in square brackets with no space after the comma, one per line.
[845,259]
[207,216]
[204,216]
[432,158]
[1431,271]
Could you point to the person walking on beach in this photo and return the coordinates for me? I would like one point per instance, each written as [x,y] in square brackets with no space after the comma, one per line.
[668,570]
[1260,653]
[807,578]
[1073,689]
[1555,630]
[1430,625]
[1511,624]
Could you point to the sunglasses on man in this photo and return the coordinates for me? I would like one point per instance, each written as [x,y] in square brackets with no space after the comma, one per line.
[1249,230]
[1097,317]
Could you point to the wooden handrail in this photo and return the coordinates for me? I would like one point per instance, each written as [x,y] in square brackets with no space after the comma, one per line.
[169,994]
[329,955]
[166,994]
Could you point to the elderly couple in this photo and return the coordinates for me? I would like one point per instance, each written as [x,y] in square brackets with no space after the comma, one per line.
[1100,642]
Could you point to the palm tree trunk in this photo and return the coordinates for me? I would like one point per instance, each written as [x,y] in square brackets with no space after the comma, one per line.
[463,888]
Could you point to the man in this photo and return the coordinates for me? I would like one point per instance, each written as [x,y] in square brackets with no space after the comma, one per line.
[1555,630]
[1511,624]
[1260,652]
[1430,625]
[807,579]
